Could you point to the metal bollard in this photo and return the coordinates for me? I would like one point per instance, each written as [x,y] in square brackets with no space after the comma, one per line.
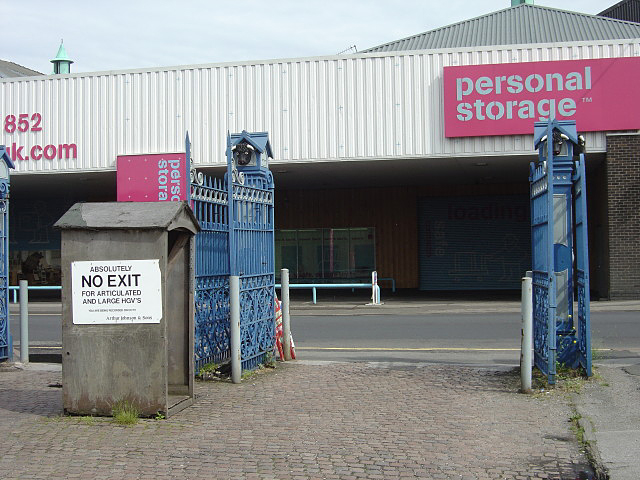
[526,334]
[375,289]
[24,321]
[236,354]
[286,318]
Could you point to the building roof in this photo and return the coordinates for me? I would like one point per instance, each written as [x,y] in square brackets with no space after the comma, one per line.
[522,24]
[626,10]
[10,69]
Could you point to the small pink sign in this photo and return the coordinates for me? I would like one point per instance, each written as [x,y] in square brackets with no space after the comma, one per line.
[160,177]
[506,99]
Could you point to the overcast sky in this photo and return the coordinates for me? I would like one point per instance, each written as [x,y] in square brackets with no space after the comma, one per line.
[118,34]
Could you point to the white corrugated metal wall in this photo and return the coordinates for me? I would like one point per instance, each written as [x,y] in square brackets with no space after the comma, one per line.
[367,106]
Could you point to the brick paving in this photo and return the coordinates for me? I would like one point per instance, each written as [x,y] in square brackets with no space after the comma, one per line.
[302,421]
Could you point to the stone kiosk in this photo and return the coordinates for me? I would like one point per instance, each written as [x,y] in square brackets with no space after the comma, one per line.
[127,306]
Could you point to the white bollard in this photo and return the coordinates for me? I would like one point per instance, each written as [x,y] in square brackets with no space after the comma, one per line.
[375,289]
[526,340]
[24,321]
[286,319]
[236,354]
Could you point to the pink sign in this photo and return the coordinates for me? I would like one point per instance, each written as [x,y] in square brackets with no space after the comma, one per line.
[506,99]
[160,177]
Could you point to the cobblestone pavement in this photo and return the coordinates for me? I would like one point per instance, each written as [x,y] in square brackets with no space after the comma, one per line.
[302,421]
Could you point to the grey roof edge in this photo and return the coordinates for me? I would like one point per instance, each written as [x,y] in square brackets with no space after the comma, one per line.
[595,17]
[123,215]
[24,72]
[484,48]
[377,47]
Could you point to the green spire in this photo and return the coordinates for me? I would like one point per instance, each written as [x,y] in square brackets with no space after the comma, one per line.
[62,63]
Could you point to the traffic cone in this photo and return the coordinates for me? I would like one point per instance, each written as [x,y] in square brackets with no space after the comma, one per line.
[279,329]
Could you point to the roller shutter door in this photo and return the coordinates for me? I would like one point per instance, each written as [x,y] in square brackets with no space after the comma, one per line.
[474,242]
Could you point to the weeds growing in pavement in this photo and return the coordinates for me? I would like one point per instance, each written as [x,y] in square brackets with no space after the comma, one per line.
[125,413]
[269,360]
[88,420]
[576,428]
[569,380]
[208,368]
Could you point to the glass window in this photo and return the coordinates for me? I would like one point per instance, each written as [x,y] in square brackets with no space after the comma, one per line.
[287,251]
[327,254]
[309,254]
[336,253]
[363,252]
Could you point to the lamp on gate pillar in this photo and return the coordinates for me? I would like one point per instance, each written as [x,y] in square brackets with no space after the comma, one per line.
[250,152]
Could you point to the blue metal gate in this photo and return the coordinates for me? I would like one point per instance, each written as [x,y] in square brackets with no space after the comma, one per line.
[209,201]
[559,250]
[544,291]
[235,241]
[5,334]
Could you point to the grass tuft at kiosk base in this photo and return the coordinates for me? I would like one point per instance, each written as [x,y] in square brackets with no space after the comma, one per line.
[125,413]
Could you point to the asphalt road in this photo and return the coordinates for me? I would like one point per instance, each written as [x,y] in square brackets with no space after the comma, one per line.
[44,323]
[485,339]
[464,338]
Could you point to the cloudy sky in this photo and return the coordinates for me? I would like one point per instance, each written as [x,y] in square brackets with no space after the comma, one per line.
[118,34]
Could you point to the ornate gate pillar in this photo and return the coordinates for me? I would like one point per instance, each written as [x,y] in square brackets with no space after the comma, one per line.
[251,241]
[236,215]
[559,249]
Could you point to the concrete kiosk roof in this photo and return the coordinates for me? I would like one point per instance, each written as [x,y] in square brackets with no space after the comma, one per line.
[129,215]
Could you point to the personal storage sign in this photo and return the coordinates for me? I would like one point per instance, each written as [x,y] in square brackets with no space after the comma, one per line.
[116,292]
[160,177]
[506,99]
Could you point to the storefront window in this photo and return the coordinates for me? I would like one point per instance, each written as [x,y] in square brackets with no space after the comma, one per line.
[309,254]
[326,254]
[34,245]
[38,267]
[336,253]
[362,246]
[286,250]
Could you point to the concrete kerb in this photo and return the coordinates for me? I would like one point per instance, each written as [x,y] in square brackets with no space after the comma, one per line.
[31,367]
[589,442]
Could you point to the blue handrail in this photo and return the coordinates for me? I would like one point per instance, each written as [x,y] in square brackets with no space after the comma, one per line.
[393,282]
[314,286]
[15,289]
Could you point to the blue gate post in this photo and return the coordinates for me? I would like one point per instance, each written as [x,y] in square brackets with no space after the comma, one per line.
[251,241]
[558,215]
[6,346]
[583,333]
